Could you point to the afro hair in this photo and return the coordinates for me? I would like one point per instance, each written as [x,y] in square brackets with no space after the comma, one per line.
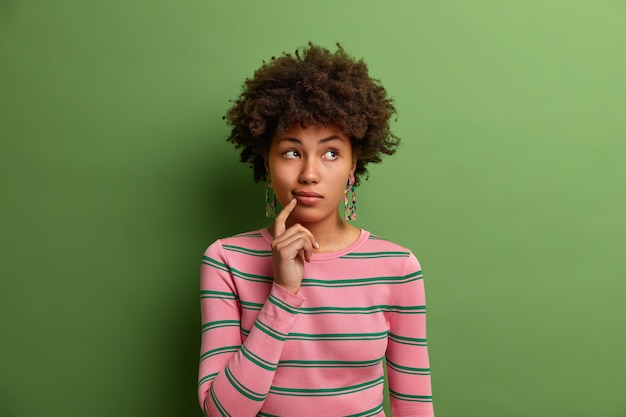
[314,86]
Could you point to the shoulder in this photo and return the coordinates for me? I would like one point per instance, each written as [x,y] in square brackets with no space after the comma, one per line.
[388,253]
[375,240]
[253,243]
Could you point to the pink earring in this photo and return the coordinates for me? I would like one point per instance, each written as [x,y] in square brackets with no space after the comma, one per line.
[350,203]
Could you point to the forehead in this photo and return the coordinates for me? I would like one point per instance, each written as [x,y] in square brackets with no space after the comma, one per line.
[317,133]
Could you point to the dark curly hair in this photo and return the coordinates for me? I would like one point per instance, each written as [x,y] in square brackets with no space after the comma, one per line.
[315,86]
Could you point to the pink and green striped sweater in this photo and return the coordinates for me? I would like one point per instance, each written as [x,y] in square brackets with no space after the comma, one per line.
[267,352]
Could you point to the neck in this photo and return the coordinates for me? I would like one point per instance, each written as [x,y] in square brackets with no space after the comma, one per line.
[332,235]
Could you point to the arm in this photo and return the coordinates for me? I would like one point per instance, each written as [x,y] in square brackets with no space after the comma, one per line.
[407,355]
[234,378]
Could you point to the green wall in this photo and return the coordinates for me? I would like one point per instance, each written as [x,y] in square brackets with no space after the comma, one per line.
[509,187]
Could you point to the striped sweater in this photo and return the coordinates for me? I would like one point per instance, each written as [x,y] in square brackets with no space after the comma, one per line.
[267,352]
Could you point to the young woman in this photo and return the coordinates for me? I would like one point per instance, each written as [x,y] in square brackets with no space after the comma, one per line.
[298,318]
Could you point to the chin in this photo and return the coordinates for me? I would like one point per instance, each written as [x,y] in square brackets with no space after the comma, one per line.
[303,218]
[310,216]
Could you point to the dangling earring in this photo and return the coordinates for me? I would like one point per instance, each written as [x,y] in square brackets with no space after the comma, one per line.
[270,198]
[349,203]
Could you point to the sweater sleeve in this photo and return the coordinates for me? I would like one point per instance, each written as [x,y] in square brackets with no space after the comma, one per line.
[408,366]
[235,377]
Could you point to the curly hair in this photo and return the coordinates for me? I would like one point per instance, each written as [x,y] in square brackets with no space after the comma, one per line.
[315,86]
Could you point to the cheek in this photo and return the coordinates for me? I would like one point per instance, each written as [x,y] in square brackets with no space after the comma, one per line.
[282,188]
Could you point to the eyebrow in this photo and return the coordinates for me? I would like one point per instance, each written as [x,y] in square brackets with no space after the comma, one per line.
[322,141]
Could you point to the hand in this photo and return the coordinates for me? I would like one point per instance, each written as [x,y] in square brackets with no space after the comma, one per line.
[290,249]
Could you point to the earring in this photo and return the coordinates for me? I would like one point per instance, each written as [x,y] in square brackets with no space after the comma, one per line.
[270,198]
[349,206]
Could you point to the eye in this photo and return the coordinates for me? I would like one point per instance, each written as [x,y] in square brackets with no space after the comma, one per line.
[331,155]
[291,154]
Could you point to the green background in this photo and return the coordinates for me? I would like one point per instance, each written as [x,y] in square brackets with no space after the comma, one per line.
[509,187]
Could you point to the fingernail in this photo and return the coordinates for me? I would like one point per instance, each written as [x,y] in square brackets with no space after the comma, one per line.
[316,245]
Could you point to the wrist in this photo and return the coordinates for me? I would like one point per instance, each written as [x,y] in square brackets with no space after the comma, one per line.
[291,288]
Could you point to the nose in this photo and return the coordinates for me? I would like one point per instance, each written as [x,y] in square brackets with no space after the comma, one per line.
[310,172]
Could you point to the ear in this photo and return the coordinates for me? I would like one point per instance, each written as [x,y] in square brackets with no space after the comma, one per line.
[354,161]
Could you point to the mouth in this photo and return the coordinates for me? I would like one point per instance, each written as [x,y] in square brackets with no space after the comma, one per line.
[308,198]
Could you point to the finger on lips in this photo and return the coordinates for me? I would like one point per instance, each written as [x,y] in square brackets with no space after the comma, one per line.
[291,245]
[279,227]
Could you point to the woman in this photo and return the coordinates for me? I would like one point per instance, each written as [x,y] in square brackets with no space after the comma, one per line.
[298,318]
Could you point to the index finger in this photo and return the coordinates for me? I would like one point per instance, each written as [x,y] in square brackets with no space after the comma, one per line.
[279,223]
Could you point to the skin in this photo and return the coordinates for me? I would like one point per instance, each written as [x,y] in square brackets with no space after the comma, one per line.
[309,169]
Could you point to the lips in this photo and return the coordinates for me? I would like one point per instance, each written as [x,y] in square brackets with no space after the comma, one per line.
[307,198]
